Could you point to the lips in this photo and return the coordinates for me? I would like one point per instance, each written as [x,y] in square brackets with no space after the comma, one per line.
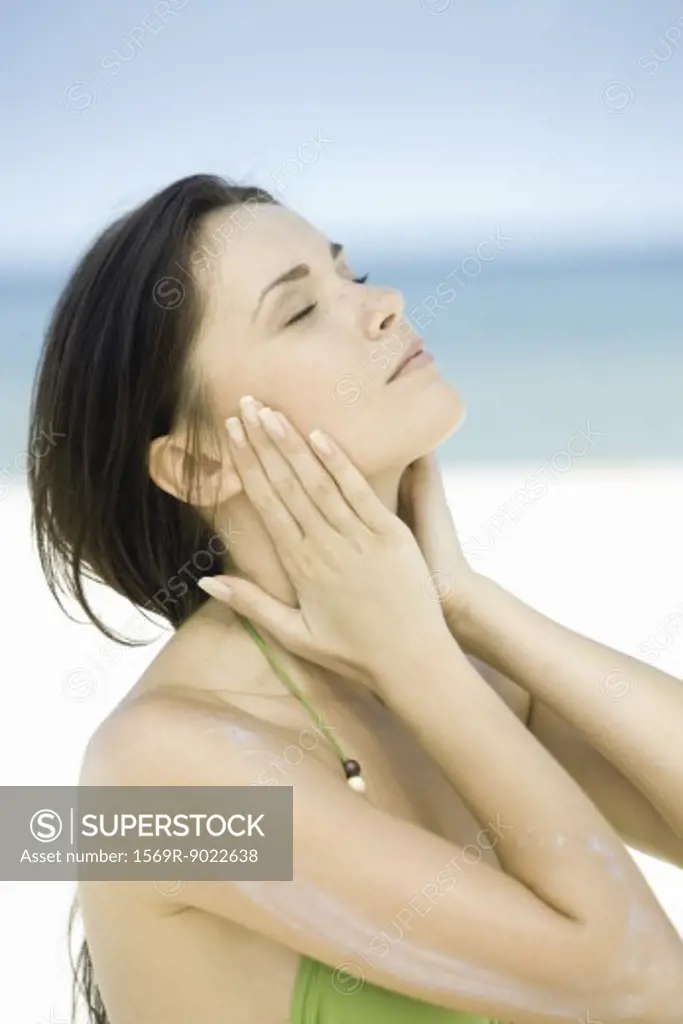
[413,350]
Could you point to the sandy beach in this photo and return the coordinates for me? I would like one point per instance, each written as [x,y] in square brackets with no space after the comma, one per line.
[600,549]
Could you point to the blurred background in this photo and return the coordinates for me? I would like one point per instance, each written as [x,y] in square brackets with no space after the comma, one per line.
[514,168]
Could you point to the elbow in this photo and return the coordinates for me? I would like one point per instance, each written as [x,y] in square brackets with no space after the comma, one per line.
[650,993]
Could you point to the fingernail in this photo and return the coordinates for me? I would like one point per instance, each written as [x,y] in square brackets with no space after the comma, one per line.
[215,588]
[320,441]
[250,410]
[236,431]
[272,421]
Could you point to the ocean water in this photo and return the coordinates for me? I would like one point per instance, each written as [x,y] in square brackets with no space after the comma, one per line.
[541,349]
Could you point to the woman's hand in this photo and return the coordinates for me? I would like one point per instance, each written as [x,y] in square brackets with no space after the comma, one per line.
[424,509]
[362,583]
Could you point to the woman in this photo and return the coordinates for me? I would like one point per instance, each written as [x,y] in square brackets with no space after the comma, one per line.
[463,875]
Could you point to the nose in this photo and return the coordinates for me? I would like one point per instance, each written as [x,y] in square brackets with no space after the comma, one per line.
[385,313]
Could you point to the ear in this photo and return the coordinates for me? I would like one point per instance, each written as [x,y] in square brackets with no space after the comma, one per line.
[173,468]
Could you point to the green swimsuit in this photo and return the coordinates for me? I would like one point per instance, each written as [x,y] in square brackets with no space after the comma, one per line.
[324,996]
[320,998]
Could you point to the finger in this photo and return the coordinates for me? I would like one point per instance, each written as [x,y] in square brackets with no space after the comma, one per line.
[405,498]
[284,623]
[263,433]
[278,521]
[426,469]
[316,481]
[352,484]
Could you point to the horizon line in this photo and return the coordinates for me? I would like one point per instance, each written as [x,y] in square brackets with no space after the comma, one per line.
[404,252]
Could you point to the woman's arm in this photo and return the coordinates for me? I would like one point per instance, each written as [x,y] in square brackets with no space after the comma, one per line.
[631,713]
[569,926]
[425,508]
[628,811]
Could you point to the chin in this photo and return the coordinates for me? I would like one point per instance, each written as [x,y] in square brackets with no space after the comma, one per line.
[426,418]
[429,422]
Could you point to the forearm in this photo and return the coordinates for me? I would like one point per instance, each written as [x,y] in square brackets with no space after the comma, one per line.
[551,836]
[629,711]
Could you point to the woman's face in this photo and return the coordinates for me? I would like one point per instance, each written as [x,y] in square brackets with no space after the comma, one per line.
[317,346]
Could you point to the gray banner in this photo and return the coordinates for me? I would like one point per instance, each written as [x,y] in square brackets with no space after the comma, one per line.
[140,833]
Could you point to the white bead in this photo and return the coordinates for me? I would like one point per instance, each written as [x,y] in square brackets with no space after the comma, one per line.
[357,783]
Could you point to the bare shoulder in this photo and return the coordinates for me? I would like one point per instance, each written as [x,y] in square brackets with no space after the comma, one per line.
[181,701]
[175,735]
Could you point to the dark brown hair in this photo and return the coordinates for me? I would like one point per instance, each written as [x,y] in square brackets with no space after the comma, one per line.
[114,373]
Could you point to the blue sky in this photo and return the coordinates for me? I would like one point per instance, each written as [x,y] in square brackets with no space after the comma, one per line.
[557,120]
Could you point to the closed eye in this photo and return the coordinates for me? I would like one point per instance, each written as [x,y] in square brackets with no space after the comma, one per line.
[309,309]
[302,314]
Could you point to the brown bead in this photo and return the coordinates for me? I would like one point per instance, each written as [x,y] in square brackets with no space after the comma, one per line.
[351,768]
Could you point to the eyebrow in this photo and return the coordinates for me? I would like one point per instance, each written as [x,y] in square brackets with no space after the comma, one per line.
[300,270]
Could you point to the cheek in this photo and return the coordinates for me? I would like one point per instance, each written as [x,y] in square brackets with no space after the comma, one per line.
[227,373]
[280,385]
[315,385]
[323,384]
